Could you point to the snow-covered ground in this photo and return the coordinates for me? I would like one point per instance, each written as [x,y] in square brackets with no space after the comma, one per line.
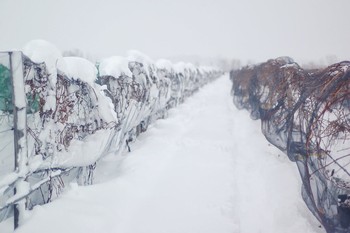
[205,168]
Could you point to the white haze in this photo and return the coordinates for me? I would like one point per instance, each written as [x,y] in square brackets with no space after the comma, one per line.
[250,30]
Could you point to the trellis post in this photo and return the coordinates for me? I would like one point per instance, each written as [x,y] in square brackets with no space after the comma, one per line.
[20,131]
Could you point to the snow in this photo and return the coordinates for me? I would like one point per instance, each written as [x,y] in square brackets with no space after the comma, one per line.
[21,191]
[7,225]
[78,68]
[115,66]
[206,168]
[345,68]
[182,67]
[42,51]
[81,152]
[134,55]
[286,60]
[164,64]
[6,148]
[105,105]
[290,65]
[7,179]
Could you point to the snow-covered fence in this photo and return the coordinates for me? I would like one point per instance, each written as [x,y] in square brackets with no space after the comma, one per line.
[306,115]
[76,112]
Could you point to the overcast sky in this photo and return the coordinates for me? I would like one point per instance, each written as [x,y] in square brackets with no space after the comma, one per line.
[244,29]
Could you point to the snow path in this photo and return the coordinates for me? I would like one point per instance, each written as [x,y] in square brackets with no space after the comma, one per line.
[206,168]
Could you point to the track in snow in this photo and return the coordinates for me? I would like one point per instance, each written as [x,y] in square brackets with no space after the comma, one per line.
[206,168]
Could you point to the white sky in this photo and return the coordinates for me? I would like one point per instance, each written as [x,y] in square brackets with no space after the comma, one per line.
[244,29]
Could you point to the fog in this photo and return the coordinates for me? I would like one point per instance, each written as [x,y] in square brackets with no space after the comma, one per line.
[249,30]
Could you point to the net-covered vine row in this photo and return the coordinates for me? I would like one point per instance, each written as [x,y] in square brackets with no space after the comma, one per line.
[306,114]
[78,112]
